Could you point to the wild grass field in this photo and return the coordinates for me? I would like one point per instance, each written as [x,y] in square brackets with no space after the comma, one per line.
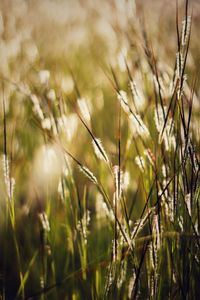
[100,149]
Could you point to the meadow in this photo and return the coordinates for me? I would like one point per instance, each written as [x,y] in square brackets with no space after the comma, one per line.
[100,141]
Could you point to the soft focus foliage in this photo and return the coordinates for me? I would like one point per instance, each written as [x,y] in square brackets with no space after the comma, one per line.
[99,107]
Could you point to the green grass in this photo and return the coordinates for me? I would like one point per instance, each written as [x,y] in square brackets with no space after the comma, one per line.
[100,151]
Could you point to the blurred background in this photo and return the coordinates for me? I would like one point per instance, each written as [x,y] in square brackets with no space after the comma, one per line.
[56,58]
